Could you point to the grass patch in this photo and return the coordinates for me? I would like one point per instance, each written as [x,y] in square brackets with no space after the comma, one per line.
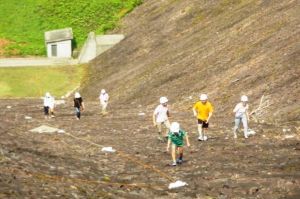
[35,81]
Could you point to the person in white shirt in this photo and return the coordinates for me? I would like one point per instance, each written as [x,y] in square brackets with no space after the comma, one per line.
[103,97]
[241,115]
[47,103]
[161,116]
[52,105]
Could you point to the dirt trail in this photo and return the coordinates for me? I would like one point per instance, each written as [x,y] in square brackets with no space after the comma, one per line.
[34,165]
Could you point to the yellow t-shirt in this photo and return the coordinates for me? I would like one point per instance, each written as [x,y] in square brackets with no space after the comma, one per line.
[203,110]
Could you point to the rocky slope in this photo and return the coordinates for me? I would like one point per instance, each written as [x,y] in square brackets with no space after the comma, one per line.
[224,48]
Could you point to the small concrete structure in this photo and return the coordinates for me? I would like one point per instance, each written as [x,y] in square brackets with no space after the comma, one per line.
[59,43]
[95,45]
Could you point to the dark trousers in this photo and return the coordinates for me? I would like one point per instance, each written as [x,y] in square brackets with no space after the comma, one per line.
[77,111]
[46,110]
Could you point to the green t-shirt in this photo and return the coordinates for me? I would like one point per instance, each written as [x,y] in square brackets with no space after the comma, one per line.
[177,139]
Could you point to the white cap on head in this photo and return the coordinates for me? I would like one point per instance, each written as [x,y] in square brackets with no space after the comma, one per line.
[103,91]
[163,100]
[203,97]
[47,94]
[244,98]
[77,95]
[175,127]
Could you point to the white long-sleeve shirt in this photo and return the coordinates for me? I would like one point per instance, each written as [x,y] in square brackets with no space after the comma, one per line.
[161,113]
[104,98]
[240,110]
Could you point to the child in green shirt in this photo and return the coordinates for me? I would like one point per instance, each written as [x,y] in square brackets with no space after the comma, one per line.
[176,136]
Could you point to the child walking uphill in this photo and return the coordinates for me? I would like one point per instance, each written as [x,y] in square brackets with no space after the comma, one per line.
[103,97]
[241,115]
[176,136]
[78,104]
[161,116]
[203,111]
[49,103]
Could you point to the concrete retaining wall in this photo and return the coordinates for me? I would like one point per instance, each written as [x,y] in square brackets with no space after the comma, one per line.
[95,45]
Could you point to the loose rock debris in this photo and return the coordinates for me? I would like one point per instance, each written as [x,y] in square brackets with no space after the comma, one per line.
[177,184]
[46,129]
[138,168]
[108,149]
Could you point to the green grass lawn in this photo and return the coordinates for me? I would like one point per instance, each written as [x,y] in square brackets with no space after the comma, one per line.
[23,22]
[35,81]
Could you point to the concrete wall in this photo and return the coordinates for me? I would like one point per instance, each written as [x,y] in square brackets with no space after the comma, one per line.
[64,49]
[95,45]
[88,51]
[105,42]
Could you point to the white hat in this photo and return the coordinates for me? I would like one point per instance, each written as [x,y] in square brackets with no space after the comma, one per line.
[77,95]
[175,127]
[163,100]
[47,94]
[203,97]
[244,98]
[103,91]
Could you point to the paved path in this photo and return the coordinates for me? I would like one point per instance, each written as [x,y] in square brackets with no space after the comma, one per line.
[21,62]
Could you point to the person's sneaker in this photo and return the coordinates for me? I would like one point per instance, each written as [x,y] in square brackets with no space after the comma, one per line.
[174,164]
[200,138]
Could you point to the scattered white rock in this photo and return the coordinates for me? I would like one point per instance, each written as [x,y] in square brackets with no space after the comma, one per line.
[28,118]
[108,149]
[44,129]
[8,107]
[289,136]
[60,131]
[141,114]
[251,132]
[177,184]
[284,130]
[190,97]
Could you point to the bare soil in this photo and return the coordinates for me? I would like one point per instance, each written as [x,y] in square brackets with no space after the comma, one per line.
[71,164]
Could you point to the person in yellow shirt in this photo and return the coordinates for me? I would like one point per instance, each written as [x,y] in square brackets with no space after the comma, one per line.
[203,111]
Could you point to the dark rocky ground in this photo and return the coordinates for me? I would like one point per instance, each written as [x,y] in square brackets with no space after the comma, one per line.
[34,165]
[225,48]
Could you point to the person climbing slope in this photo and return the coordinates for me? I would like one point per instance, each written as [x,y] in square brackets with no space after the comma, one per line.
[203,111]
[103,97]
[241,115]
[161,116]
[47,103]
[175,137]
[78,104]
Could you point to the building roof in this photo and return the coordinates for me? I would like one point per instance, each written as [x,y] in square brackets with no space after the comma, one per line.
[58,35]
